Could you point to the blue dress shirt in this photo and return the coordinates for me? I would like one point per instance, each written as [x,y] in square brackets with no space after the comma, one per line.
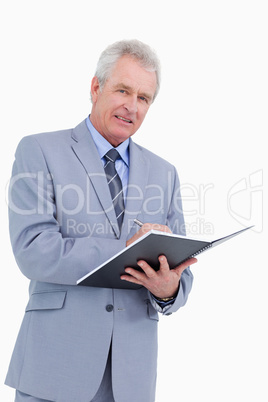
[103,146]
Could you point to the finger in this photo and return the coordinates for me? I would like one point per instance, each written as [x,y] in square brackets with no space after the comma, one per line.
[146,227]
[191,261]
[147,269]
[164,265]
[140,276]
[131,279]
[161,228]
[141,232]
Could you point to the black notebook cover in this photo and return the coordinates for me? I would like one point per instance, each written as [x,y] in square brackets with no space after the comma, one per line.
[149,247]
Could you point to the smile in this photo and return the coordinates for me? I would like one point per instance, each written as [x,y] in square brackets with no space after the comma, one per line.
[122,118]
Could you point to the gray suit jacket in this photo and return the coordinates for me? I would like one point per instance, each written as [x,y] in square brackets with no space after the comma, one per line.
[62,225]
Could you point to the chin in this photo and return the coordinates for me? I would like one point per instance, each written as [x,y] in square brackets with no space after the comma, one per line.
[122,136]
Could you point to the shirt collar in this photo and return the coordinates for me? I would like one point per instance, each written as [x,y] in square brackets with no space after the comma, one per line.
[103,146]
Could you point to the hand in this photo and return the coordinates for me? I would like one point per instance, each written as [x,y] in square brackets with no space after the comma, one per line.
[146,227]
[162,283]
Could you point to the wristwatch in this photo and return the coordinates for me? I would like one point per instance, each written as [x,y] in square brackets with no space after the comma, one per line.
[165,299]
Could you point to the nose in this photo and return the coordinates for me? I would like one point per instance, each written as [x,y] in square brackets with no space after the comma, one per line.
[131,104]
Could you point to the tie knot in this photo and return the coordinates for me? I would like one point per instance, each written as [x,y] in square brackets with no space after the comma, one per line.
[112,155]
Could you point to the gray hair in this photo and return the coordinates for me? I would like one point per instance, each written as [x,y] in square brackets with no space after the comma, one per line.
[138,50]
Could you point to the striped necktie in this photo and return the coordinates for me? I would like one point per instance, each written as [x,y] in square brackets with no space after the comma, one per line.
[115,185]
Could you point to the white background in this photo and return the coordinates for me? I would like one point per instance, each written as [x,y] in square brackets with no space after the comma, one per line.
[210,120]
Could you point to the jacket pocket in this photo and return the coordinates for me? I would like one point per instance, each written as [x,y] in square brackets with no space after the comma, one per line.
[46,300]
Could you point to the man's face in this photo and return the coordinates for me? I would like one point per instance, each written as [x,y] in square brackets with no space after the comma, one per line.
[120,107]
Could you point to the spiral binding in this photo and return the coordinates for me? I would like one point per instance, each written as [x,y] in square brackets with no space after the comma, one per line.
[196,253]
[201,250]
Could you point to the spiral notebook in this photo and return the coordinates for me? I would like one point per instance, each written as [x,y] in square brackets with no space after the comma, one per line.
[176,248]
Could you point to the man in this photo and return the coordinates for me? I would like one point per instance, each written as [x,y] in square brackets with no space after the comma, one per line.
[81,344]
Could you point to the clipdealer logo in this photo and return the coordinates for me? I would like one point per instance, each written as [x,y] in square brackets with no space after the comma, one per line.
[245,201]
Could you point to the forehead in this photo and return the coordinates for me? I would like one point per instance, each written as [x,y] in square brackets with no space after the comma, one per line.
[128,71]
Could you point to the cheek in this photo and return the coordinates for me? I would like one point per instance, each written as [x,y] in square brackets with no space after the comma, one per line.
[142,113]
[114,101]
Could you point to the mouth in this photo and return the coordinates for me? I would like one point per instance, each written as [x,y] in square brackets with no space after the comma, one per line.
[124,119]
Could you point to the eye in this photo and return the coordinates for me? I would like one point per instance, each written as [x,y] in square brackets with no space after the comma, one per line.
[142,98]
[122,91]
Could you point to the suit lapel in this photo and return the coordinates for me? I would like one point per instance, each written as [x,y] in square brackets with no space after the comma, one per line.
[85,150]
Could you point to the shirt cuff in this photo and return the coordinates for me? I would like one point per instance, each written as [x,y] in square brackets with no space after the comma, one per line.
[161,306]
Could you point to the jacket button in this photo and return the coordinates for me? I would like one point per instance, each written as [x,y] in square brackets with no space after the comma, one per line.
[109,308]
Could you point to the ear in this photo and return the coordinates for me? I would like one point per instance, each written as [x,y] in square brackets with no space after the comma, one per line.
[95,89]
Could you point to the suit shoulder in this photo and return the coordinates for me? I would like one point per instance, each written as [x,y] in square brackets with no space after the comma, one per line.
[53,139]
[44,138]
[154,158]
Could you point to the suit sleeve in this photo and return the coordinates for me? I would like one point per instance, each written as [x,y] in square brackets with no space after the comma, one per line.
[39,248]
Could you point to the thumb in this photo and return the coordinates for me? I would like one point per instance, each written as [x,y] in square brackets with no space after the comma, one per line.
[180,268]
